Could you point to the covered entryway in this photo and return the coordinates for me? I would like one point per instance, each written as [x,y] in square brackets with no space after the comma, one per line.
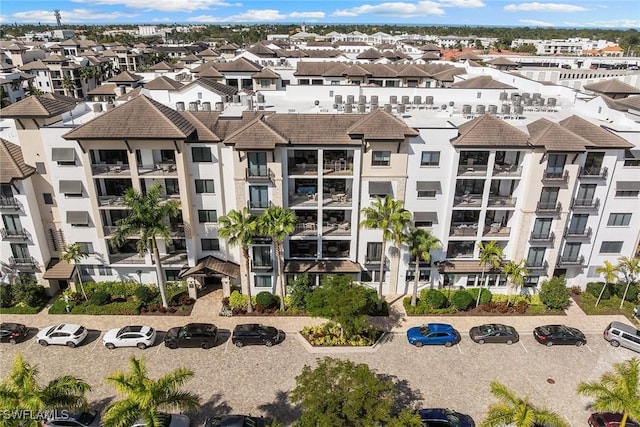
[210,271]
[59,274]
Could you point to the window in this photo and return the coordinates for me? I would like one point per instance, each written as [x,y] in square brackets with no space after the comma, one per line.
[87,270]
[317,82]
[471,280]
[172,275]
[542,228]
[265,83]
[619,219]
[257,164]
[374,251]
[204,186]
[627,193]
[531,281]
[104,270]
[430,158]
[86,247]
[262,256]
[303,82]
[210,244]
[263,282]
[40,168]
[424,275]
[48,198]
[381,158]
[536,257]
[207,216]
[426,194]
[611,247]
[258,196]
[371,276]
[201,154]
[555,164]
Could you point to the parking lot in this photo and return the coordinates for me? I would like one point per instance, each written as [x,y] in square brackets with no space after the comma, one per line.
[256,379]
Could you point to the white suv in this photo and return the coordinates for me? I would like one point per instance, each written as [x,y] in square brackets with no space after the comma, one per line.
[67,334]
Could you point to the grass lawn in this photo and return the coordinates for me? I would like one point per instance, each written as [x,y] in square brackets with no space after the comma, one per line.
[587,302]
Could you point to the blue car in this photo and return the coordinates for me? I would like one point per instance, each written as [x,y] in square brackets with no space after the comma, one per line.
[433,334]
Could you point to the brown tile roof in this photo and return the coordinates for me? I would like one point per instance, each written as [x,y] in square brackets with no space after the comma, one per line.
[47,105]
[501,60]
[213,85]
[190,57]
[599,137]
[447,75]
[266,73]
[380,125]
[305,129]
[140,118]
[228,125]
[211,264]
[261,50]
[207,52]
[428,47]
[369,54]
[630,103]
[487,131]
[554,137]
[127,96]
[613,86]
[34,65]
[104,89]
[163,83]
[125,77]
[337,70]
[59,270]
[12,165]
[207,70]
[162,66]
[356,70]
[201,120]
[239,65]
[481,82]
[255,134]
[412,71]
[344,266]
[430,56]
[468,55]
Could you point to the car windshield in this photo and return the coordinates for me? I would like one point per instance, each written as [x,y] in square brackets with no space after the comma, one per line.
[453,420]
[424,330]
[86,417]
[487,329]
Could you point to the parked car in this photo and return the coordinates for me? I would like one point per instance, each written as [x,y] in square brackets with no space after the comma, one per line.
[559,335]
[433,334]
[442,417]
[234,421]
[169,420]
[78,419]
[68,334]
[609,419]
[622,335]
[494,333]
[202,335]
[130,336]
[253,333]
[13,332]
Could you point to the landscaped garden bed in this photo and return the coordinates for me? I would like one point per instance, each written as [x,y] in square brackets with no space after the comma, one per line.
[610,300]
[22,298]
[331,335]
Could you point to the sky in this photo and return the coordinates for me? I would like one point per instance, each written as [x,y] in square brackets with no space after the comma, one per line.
[616,14]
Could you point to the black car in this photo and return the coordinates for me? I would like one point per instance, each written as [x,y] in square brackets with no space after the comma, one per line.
[78,419]
[204,335]
[253,333]
[494,333]
[443,417]
[234,421]
[13,332]
[559,335]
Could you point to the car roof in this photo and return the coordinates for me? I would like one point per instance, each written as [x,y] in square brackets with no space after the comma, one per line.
[10,325]
[67,327]
[439,327]
[246,326]
[434,413]
[624,327]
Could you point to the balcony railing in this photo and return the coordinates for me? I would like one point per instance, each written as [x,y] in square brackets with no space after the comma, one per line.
[368,259]
[544,265]
[498,201]
[162,168]
[549,207]
[571,260]
[259,205]
[585,204]
[464,229]
[260,175]
[468,200]
[578,234]
[108,230]
[23,263]
[507,170]
[593,173]
[498,230]
[115,168]
[126,258]
[303,168]
[114,201]
[9,203]
[15,234]
[542,237]
[262,266]
[472,170]
[556,177]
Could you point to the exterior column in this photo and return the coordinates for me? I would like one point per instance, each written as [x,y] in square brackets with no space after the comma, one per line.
[192,287]
[226,287]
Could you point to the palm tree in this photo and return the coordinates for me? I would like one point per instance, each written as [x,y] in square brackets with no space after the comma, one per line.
[277,223]
[617,391]
[148,218]
[392,218]
[515,272]
[609,271]
[490,254]
[513,410]
[421,243]
[239,229]
[68,84]
[20,389]
[73,254]
[630,267]
[145,398]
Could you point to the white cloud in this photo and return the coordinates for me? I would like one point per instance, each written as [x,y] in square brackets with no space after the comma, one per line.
[307,15]
[544,7]
[257,15]
[74,15]
[614,23]
[462,3]
[536,23]
[401,9]
[163,5]
[165,19]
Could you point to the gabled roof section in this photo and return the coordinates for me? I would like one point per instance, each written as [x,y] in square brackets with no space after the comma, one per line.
[34,65]
[336,71]
[613,86]
[130,95]
[12,165]
[481,82]
[468,55]
[162,66]
[104,89]
[266,73]
[630,103]
[447,75]
[599,137]
[201,120]
[369,54]
[191,57]
[212,85]
[430,56]
[255,135]
[554,137]
[163,83]
[501,60]
[207,70]
[125,77]
[140,118]
[487,131]
[315,129]
[380,125]
[44,106]
[240,65]
[207,52]
[261,50]
[412,71]
[356,70]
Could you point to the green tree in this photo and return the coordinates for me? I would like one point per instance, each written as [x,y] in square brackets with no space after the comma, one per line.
[617,391]
[490,254]
[554,293]
[72,254]
[278,223]
[630,268]
[147,217]
[608,270]
[239,229]
[68,84]
[392,218]
[421,243]
[145,398]
[518,412]
[515,272]
[20,389]
[33,91]
[342,393]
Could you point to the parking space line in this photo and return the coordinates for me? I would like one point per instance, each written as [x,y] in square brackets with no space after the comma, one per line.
[525,348]
[459,348]
[159,347]
[95,345]
[226,345]
[588,348]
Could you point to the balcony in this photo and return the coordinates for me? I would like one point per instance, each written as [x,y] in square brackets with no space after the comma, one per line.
[159,169]
[571,233]
[542,238]
[261,174]
[177,256]
[263,265]
[375,260]
[9,203]
[549,208]
[23,263]
[337,167]
[306,228]
[257,207]
[464,229]
[111,201]
[304,200]
[472,170]
[502,201]
[126,258]
[336,229]
[111,169]
[108,230]
[571,261]
[537,266]
[585,204]
[593,173]
[507,170]
[496,230]
[555,178]
[179,230]
[15,234]
[468,200]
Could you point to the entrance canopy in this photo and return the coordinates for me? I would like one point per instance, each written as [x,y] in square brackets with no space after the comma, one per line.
[328,267]
[211,266]
[59,270]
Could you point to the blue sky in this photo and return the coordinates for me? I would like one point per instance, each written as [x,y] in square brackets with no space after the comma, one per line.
[586,13]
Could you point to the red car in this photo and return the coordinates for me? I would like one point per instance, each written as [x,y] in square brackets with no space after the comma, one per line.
[609,419]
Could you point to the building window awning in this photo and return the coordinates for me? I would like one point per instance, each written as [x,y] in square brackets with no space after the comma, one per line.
[59,270]
[71,187]
[628,185]
[381,188]
[63,154]
[78,217]
[426,217]
[336,267]
[429,186]
[632,154]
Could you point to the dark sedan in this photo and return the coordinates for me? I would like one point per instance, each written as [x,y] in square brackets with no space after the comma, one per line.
[494,333]
[202,335]
[13,332]
[442,417]
[559,335]
[234,421]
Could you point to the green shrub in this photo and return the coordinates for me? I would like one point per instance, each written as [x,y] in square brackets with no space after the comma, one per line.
[433,298]
[115,308]
[238,300]
[554,293]
[536,309]
[462,300]
[594,288]
[6,296]
[30,294]
[300,287]
[485,295]
[145,294]
[632,292]
[100,298]
[266,299]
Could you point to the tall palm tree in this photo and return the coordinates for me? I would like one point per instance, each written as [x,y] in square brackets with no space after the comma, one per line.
[515,272]
[630,268]
[421,243]
[390,216]
[277,223]
[617,391]
[147,217]
[513,410]
[490,254]
[145,398]
[21,389]
[239,229]
[68,84]
[609,271]
[72,254]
